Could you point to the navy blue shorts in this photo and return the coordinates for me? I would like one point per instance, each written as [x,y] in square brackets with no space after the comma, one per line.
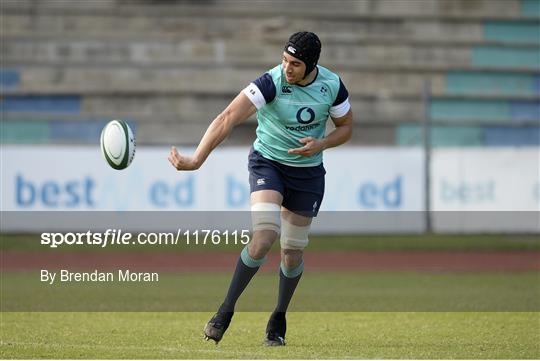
[302,188]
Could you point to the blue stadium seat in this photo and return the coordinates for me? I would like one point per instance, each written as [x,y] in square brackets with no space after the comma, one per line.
[494,56]
[525,110]
[84,131]
[25,132]
[411,134]
[9,78]
[41,103]
[506,136]
[512,31]
[470,110]
[530,7]
[472,83]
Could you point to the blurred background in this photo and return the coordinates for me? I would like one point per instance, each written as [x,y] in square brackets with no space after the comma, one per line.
[171,66]
[445,93]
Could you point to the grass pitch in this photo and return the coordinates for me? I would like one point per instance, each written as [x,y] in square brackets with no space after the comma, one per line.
[395,335]
[317,292]
[311,335]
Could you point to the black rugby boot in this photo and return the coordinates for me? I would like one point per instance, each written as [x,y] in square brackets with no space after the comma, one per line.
[275,330]
[216,327]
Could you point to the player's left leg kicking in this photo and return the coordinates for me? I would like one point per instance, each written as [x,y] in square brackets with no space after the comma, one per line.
[293,240]
[265,212]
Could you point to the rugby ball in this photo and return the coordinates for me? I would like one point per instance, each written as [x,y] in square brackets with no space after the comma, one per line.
[118,144]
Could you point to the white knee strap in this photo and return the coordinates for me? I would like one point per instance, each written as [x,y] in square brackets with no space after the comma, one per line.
[265,216]
[293,237]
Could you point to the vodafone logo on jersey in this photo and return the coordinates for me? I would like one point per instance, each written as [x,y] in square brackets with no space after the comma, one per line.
[301,115]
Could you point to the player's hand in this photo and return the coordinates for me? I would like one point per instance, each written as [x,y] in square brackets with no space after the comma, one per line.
[312,146]
[181,162]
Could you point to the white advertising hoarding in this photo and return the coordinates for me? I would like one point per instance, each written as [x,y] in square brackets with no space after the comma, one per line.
[486,179]
[486,189]
[77,178]
[467,184]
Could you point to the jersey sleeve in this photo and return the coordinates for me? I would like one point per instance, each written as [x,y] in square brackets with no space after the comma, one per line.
[341,105]
[261,91]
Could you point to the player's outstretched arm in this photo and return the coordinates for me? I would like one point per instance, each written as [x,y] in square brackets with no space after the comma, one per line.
[338,136]
[238,111]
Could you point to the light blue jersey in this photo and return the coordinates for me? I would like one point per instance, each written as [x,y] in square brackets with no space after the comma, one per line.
[287,113]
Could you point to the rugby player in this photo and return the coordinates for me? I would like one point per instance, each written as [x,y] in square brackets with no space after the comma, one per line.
[293,102]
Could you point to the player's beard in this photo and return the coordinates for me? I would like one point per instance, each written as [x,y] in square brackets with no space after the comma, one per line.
[293,80]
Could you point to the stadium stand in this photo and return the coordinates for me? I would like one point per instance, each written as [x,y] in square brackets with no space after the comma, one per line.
[169,67]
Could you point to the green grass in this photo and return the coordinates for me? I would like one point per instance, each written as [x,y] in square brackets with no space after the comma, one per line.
[427,242]
[329,335]
[310,336]
[318,291]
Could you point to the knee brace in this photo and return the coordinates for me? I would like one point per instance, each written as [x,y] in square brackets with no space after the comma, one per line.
[265,216]
[293,237]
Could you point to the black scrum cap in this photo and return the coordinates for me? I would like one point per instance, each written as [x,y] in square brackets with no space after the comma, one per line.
[305,46]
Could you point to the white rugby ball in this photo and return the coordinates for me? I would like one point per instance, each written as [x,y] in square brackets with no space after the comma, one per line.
[118,144]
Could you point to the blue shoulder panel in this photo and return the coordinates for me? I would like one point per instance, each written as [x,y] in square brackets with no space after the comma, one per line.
[343,94]
[266,85]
